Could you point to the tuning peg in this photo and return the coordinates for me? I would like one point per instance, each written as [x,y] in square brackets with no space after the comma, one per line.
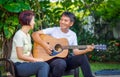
[104,47]
[100,47]
[97,50]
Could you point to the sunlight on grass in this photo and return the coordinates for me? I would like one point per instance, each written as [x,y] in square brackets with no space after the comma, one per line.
[95,66]
[99,66]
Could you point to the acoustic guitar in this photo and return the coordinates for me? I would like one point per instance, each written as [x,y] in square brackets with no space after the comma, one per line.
[60,48]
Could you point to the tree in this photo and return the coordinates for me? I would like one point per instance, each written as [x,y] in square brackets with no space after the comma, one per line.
[48,14]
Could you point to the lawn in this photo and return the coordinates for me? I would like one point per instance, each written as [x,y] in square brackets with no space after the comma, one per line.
[95,66]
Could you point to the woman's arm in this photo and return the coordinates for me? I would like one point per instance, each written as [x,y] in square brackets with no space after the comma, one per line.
[21,56]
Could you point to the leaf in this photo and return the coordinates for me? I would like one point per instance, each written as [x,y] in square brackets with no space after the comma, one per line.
[13,7]
[8,31]
[13,20]
[25,6]
[2,1]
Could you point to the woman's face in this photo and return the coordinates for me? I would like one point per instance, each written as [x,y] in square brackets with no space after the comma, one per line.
[32,23]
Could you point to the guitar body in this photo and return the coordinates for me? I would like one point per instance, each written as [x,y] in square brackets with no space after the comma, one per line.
[39,51]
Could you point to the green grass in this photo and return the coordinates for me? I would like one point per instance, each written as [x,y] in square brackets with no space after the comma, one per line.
[99,66]
[95,66]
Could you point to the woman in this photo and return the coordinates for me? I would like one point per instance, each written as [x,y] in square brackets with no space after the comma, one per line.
[26,65]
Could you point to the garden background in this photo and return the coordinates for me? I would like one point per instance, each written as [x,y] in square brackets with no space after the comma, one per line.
[97,21]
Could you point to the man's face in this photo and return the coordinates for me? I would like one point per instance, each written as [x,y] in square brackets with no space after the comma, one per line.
[65,22]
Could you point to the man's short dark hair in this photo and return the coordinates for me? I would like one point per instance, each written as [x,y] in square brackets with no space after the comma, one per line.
[70,15]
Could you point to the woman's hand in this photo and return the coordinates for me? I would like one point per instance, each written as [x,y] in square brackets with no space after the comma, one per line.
[38,60]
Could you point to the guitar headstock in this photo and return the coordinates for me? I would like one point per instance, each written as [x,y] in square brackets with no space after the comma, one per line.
[100,47]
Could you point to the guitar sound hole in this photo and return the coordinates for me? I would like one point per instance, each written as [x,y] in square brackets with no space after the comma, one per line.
[58,48]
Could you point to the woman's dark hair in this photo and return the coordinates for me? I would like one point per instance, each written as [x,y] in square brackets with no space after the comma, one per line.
[25,17]
[70,15]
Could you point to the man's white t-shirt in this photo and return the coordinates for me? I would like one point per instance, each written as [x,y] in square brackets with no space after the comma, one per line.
[21,40]
[57,33]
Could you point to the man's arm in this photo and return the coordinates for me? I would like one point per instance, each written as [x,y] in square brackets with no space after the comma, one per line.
[36,38]
[80,52]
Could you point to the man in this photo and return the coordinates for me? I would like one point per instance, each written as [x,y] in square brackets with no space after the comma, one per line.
[58,65]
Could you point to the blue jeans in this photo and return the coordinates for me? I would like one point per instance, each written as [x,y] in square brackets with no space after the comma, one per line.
[58,66]
[26,69]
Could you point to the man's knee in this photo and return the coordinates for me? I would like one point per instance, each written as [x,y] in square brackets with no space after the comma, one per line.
[62,63]
[43,65]
[59,64]
[58,67]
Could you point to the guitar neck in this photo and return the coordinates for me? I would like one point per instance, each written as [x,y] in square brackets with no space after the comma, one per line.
[74,47]
[98,47]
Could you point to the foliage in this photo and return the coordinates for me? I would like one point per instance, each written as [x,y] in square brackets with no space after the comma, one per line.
[9,16]
[9,10]
[48,15]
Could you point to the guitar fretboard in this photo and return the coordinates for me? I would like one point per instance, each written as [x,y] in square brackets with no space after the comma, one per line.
[98,47]
[73,47]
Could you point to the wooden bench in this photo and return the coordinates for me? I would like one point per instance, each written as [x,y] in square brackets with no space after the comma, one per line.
[9,65]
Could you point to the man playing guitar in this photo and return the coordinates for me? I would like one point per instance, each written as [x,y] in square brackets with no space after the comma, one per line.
[59,65]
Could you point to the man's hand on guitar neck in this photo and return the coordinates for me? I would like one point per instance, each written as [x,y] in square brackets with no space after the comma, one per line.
[90,48]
